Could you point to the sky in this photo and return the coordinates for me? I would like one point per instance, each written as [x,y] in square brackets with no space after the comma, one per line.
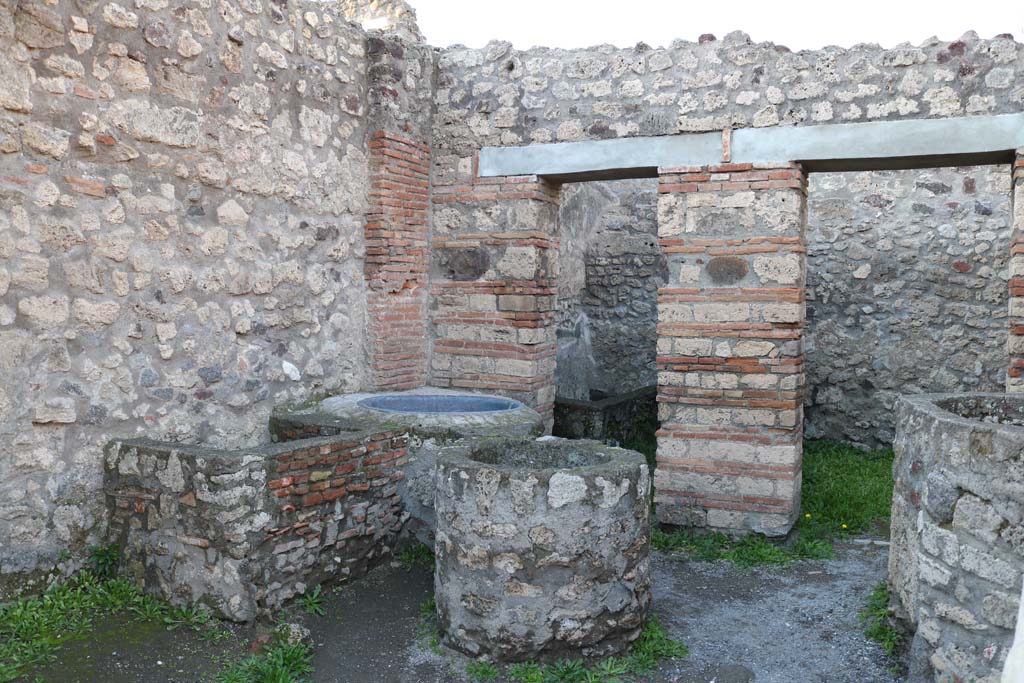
[797,24]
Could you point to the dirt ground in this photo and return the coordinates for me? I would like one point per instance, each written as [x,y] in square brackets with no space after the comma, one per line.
[797,624]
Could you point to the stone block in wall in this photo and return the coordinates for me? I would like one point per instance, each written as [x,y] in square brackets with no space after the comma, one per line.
[244,531]
[730,353]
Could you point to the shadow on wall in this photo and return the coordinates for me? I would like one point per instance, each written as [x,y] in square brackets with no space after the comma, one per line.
[610,270]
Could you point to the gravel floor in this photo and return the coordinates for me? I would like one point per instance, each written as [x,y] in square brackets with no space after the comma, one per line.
[793,625]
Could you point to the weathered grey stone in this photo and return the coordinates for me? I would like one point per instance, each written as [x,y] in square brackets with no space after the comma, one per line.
[569,572]
[955,573]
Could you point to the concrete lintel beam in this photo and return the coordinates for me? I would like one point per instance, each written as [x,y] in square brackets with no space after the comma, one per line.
[592,159]
[873,145]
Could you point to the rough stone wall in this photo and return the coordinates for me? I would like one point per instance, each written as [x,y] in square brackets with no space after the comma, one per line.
[243,531]
[611,267]
[957,549]
[499,96]
[182,192]
[907,293]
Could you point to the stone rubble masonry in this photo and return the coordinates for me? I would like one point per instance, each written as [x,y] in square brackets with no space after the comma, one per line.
[1015,343]
[542,548]
[730,353]
[500,96]
[243,531]
[183,188]
[397,230]
[957,548]
[906,293]
[494,250]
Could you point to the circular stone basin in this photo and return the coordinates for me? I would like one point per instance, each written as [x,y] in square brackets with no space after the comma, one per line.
[992,409]
[426,403]
[956,555]
[542,548]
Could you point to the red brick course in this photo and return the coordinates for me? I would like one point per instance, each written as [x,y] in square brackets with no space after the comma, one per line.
[397,235]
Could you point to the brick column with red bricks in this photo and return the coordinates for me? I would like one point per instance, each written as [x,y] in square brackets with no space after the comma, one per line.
[730,346]
[397,233]
[1015,343]
[494,254]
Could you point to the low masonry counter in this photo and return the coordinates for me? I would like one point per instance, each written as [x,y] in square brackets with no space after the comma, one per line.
[958,531]
[542,548]
[243,531]
[433,418]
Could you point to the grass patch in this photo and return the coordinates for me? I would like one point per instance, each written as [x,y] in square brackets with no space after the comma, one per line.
[33,629]
[748,551]
[416,555]
[482,671]
[653,646]
[282,663]
[427,629]
[845,491]
[877,623]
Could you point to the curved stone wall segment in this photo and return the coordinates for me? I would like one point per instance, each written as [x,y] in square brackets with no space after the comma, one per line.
[542,548]
[957,552]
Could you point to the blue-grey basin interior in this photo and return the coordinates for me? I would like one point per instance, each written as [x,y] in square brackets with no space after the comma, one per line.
[425,403]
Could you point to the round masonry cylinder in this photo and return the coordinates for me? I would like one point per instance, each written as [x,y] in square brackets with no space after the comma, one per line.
[542,548]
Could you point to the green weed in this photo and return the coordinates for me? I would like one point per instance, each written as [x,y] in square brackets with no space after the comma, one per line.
[877,624]
[427,628]
[428,608]
[215,634]
[104,560]
[313,602]
[482,671]
[652,647]
[526,672]
[187,616]
[417,555]
[282,663]
[149,608]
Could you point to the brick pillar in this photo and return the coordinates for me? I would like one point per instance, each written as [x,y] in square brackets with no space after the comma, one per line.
[396,233]
[1015,343]
[494,258]
[730,347]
